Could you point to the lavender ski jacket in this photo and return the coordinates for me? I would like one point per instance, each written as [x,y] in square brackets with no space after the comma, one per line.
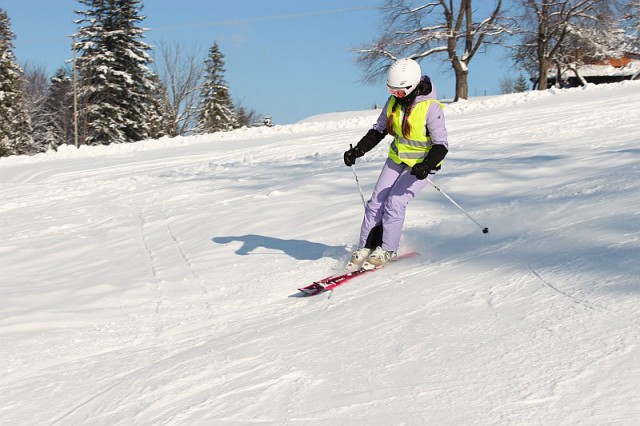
[436,127]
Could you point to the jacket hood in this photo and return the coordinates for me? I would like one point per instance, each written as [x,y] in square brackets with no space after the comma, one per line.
[425,90]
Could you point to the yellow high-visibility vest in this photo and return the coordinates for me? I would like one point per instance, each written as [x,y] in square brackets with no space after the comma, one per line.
[412,148]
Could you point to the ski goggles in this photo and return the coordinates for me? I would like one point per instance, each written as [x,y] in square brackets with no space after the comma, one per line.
[399,92]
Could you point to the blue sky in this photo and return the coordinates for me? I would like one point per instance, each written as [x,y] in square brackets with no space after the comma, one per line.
[286,58]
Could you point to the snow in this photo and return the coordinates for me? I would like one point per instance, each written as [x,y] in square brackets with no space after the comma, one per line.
[155,283]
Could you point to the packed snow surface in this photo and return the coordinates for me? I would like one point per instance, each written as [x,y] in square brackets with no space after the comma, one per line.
[155,283]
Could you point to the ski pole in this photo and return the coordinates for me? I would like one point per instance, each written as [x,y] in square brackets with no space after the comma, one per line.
[485,230]
[353,167]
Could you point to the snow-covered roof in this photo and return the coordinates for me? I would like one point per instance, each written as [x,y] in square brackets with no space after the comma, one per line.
[604,70]
[607,70]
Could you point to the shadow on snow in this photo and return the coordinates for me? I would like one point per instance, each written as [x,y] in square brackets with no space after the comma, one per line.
[297,249]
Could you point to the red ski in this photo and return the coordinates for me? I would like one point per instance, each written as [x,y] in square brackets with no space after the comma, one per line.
[334,281]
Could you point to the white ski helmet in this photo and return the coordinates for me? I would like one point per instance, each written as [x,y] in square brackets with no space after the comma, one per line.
[403,77]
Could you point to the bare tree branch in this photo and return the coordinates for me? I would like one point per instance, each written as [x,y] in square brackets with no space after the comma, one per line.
[430,29]
[180,70]
[549,31]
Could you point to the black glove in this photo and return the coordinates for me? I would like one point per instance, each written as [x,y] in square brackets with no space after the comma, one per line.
[366,144]
[422,170]
[431,162]
[351,155]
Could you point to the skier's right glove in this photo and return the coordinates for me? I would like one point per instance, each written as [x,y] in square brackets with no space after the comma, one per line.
[351,155]
[366,144]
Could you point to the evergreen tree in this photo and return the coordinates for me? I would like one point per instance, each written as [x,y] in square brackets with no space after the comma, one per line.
[59,110]
[15,128]
[242,119]
[217,113]
[521,85]
[116,87]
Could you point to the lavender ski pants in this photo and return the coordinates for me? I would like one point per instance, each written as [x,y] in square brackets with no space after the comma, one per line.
[393,191]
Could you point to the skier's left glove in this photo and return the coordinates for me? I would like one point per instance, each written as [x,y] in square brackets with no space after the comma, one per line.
[431,163]
[422,170]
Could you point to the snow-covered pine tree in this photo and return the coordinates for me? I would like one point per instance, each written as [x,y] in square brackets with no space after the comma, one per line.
[59,110]
[216,111]
[115,84]
[15,128]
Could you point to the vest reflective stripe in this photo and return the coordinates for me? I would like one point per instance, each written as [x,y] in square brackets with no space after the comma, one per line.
[418,144]
[409,154]
[410,149]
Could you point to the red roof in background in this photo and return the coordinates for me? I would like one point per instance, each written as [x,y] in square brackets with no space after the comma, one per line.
[615,62]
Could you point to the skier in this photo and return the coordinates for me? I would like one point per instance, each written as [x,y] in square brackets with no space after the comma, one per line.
[415,119]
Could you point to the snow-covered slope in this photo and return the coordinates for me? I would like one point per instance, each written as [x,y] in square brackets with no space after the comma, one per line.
[154,283]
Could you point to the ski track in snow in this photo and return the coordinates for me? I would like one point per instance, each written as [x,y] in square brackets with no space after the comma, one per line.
[151,283]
